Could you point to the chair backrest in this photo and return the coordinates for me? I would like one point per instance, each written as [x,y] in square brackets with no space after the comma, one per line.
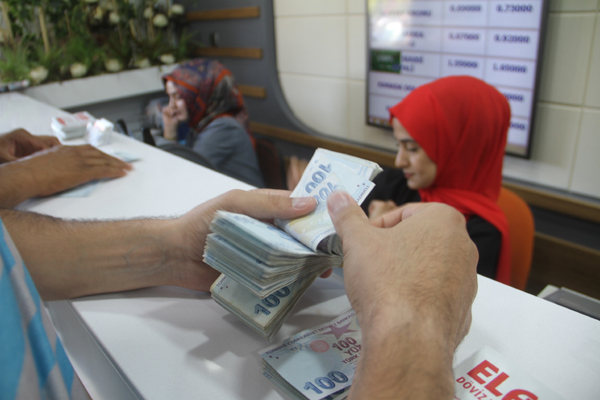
[270,164]
[521,230]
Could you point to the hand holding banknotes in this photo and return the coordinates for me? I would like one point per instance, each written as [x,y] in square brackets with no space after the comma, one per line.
[266,268]
[411,278]
[262,204]
[125,255]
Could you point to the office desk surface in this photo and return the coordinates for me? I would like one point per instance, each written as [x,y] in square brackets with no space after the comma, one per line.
[169,342]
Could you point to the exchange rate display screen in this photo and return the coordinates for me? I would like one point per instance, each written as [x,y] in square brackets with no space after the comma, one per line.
[411,43]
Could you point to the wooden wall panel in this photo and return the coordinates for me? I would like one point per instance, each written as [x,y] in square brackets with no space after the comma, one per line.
[563,205]
[561,263]
[381,157]
[253,91]
[237,52]
[229,13]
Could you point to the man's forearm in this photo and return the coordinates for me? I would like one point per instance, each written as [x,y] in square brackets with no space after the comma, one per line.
[408,358]
[69,259]
[16,185]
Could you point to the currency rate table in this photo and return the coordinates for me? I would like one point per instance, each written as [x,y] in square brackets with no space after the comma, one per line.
[412,43]
[172,343]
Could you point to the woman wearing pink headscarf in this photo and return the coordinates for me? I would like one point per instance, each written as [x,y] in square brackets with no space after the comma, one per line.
[203,96]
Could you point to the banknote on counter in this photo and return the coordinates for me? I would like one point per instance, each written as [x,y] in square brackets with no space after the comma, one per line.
[318,363]
[267,268]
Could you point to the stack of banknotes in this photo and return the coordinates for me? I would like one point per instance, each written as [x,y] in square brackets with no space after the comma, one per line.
[267,268]
[318,363]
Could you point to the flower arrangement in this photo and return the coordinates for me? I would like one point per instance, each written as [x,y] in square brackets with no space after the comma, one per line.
[53,40]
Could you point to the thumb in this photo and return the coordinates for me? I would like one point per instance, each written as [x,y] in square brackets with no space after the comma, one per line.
[345,214]
[7,156]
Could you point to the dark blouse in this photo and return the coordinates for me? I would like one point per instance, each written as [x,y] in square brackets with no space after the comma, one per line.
[391,185]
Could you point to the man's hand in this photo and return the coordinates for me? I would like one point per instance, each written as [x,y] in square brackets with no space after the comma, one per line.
[54,170]
[20,143]
[193,227]
[65,167]
[411,278]
[377,208]
[68,259]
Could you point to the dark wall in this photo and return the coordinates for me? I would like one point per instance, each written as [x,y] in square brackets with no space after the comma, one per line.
[255,33]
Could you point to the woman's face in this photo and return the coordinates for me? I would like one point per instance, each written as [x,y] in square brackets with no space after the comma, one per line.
[176,107]
[418,168]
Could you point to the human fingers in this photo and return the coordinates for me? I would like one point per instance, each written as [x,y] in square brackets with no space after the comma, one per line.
[49,141]
[168,111]
[372,209]
[9,147]
[379,207]
[94,157]
[267,204]
[326,274]
[276,192]
[397,215]
[102,172]
[6,155]
[345,214]
[27,144]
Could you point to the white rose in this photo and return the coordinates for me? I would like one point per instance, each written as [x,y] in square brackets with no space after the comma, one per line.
[113,65]
[78,70]
[160,21]
[148,13]
[114,18]
[143,63]
[98,14]
[167,59]
[38,74]
[176,10]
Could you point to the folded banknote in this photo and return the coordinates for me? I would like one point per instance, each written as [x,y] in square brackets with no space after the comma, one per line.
[318,363]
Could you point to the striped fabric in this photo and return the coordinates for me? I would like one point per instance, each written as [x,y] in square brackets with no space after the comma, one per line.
[33,362]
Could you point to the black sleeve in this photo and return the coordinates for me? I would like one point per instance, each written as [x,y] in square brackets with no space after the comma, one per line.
[391,185]
[488,240]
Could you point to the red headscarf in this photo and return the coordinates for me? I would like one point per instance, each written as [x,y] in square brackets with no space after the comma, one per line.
[462,123]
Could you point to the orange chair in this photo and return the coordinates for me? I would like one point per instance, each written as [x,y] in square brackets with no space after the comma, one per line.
[521,230]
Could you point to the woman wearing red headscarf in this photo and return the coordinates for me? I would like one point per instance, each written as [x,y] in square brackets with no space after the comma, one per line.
[451,135]
[202,95]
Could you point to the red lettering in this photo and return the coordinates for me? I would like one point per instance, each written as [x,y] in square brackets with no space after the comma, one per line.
[516,395]
[495,383]
[483,370]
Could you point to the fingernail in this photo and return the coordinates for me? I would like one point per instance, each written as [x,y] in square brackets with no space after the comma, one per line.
[337,201]
[301,202]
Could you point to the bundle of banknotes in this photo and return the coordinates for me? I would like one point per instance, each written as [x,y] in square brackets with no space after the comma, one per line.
[267,268]
[318,363]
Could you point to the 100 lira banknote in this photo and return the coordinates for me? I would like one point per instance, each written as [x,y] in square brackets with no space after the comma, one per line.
[327,172]
[317,362]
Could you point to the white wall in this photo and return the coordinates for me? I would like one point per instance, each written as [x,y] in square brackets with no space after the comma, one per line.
[321,58]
